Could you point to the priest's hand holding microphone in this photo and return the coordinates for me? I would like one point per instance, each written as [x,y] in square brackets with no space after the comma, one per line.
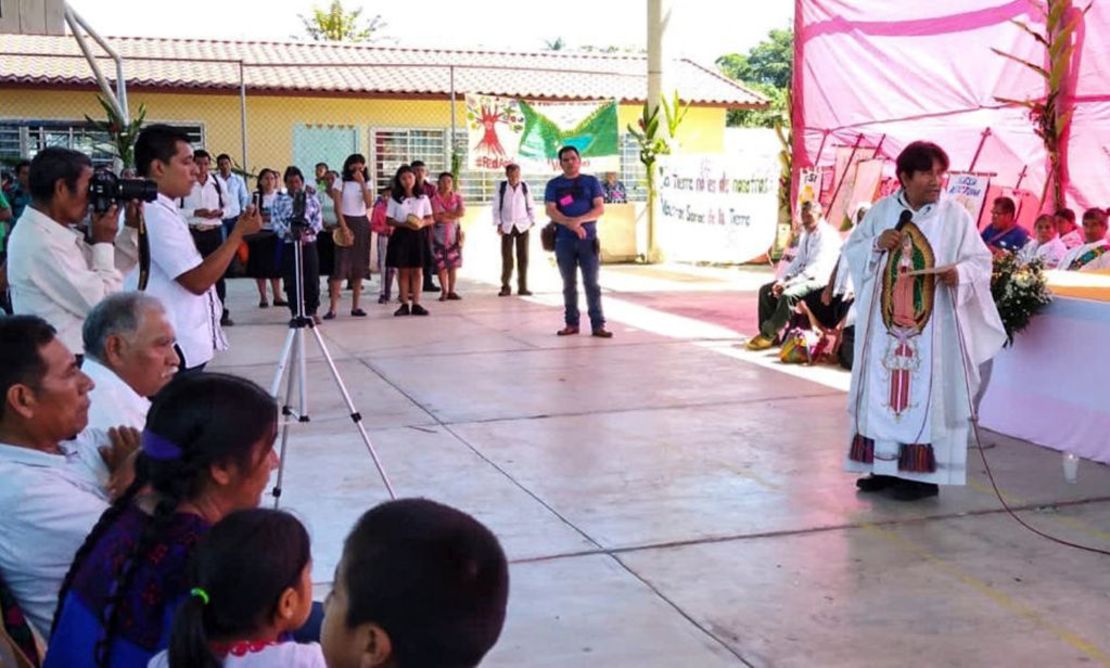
[891,239]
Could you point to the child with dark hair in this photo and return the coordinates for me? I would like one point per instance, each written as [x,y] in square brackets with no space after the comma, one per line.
[207,450]
[250,586]
[420,585]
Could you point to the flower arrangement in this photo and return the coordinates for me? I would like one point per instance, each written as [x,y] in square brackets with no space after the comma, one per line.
[1020,291]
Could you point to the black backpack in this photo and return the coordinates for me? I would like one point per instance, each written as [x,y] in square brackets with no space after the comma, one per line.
[501,202]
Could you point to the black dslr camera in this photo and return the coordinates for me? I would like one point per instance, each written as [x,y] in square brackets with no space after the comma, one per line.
[105,189]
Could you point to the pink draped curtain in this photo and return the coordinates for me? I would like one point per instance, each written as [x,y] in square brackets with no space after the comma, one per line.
[896,72]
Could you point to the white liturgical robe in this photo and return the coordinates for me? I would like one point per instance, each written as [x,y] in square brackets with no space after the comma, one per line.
[911,385]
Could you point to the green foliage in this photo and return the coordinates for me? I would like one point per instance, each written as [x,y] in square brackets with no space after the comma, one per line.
[768,69]
[337,24]
[652,144]
[121,136]
[557,44]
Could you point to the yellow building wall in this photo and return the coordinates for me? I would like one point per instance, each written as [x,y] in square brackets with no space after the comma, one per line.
[270,119]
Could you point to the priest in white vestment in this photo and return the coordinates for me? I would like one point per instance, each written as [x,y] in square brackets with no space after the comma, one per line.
[925,321]
[1045,245]
[1094,253]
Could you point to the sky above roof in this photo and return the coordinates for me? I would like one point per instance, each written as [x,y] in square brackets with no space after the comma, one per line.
[699,29]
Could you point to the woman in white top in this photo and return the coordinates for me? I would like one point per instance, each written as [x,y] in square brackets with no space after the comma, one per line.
[409,211]
[264,258]
[1044,245]
[353,199]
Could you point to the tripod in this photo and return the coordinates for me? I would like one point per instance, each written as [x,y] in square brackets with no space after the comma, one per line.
[294,347]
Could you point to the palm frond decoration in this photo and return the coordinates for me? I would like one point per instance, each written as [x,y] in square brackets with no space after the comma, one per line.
[1051,115]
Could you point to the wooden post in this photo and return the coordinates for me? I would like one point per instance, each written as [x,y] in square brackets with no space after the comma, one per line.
[979,150]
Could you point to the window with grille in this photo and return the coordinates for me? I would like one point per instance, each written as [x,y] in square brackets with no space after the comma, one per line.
[22,139]
[392,147]
[633,173]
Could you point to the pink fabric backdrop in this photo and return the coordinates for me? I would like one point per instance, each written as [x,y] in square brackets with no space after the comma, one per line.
[895,72]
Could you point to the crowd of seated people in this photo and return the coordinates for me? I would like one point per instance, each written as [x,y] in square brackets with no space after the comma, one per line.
[815,306]
[148,548]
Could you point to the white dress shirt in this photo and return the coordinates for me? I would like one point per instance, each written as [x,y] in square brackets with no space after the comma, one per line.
[55,275]
[235,195]
[173,253]
[113,402]
[818,252]
[516,210]
[1051,252]
[48,505]
[207,195]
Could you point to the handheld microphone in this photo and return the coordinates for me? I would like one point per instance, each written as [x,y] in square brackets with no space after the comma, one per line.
[903,219]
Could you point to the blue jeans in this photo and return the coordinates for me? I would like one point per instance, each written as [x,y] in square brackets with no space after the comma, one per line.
[570,254]
[228,226]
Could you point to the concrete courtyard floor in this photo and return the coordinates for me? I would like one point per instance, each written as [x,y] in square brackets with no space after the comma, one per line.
[668,499]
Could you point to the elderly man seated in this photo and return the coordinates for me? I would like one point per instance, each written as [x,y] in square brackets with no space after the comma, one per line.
[130,355]
[1094,253]
[818,250]
[53,490]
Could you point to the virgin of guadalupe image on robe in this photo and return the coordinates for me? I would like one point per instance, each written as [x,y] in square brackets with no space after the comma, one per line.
[921,342]
[907,306]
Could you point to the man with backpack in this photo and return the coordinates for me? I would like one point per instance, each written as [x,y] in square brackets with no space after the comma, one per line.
[513,217]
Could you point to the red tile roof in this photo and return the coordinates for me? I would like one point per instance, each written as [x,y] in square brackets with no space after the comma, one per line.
[318,67]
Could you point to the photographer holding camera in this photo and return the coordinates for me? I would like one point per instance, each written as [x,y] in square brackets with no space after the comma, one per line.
[178,275]
[53,271]
[297,218]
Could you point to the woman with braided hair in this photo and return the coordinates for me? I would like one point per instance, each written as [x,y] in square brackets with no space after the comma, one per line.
[207,450]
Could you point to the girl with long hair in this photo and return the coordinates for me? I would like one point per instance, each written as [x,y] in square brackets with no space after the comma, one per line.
[250,585]
[207,450]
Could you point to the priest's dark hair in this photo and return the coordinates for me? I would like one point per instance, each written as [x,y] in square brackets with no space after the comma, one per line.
[919,156]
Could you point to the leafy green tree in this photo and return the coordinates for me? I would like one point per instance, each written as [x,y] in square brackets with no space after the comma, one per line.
[337,24]
[557,44]
[768,69]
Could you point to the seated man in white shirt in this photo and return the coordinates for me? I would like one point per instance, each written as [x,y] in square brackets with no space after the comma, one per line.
[1045,244]
[818,251]
[53,490]
[130,355]
[53,272]
[178,275]
[1094,254]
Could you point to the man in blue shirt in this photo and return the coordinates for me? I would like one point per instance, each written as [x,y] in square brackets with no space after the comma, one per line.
[1003,234]
[575,201]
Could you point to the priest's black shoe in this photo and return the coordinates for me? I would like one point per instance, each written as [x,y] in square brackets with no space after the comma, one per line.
[876,483]
[911,490]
